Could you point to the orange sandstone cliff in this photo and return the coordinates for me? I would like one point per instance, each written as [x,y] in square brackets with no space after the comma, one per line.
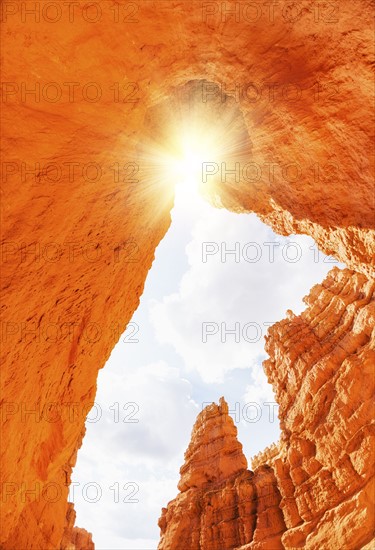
[315,489]
[82,211]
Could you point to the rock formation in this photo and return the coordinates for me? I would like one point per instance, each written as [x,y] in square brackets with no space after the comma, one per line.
[315,489]
[83,211]
[220,500]
[75,538]
[214,453]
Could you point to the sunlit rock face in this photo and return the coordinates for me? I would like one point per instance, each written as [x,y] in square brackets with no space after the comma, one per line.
[80,222]
[75,538]
[214,453]
[220,501]
[315,489]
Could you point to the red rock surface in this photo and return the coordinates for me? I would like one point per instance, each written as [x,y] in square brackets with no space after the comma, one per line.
[77,246]
[75,538]
[315,489]
[220,500]
[214,452]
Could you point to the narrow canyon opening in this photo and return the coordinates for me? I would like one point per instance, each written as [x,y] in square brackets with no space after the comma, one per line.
[218,281]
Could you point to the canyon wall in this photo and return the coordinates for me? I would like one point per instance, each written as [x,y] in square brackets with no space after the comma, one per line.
[83,208]
[315,489]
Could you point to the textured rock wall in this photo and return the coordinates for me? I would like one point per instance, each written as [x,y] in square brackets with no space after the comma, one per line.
[324,358]
[221,503]
[317,490]
[75,538]
[78,240]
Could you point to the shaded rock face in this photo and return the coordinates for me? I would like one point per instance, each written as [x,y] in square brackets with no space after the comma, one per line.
[80,227]
[315,489]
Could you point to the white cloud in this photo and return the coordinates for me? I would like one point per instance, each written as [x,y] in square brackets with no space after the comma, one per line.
[132,466]
[258,390]
[242,292]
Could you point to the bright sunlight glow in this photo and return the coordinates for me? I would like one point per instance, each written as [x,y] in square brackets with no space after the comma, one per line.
[188,148]
[193,151]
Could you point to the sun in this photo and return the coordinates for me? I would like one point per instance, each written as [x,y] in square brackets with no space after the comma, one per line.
[187,167]
[189,155]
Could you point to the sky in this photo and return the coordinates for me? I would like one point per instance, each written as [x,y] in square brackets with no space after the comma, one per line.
[198,334]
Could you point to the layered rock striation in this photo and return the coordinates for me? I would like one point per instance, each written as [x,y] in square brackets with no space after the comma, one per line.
[214,452]
[220,501]
[315,488]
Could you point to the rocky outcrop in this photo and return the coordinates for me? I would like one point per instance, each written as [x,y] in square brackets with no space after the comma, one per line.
[214,453]
[265,456]
[315,489]
[220,501]
[83,210]
[75,538]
